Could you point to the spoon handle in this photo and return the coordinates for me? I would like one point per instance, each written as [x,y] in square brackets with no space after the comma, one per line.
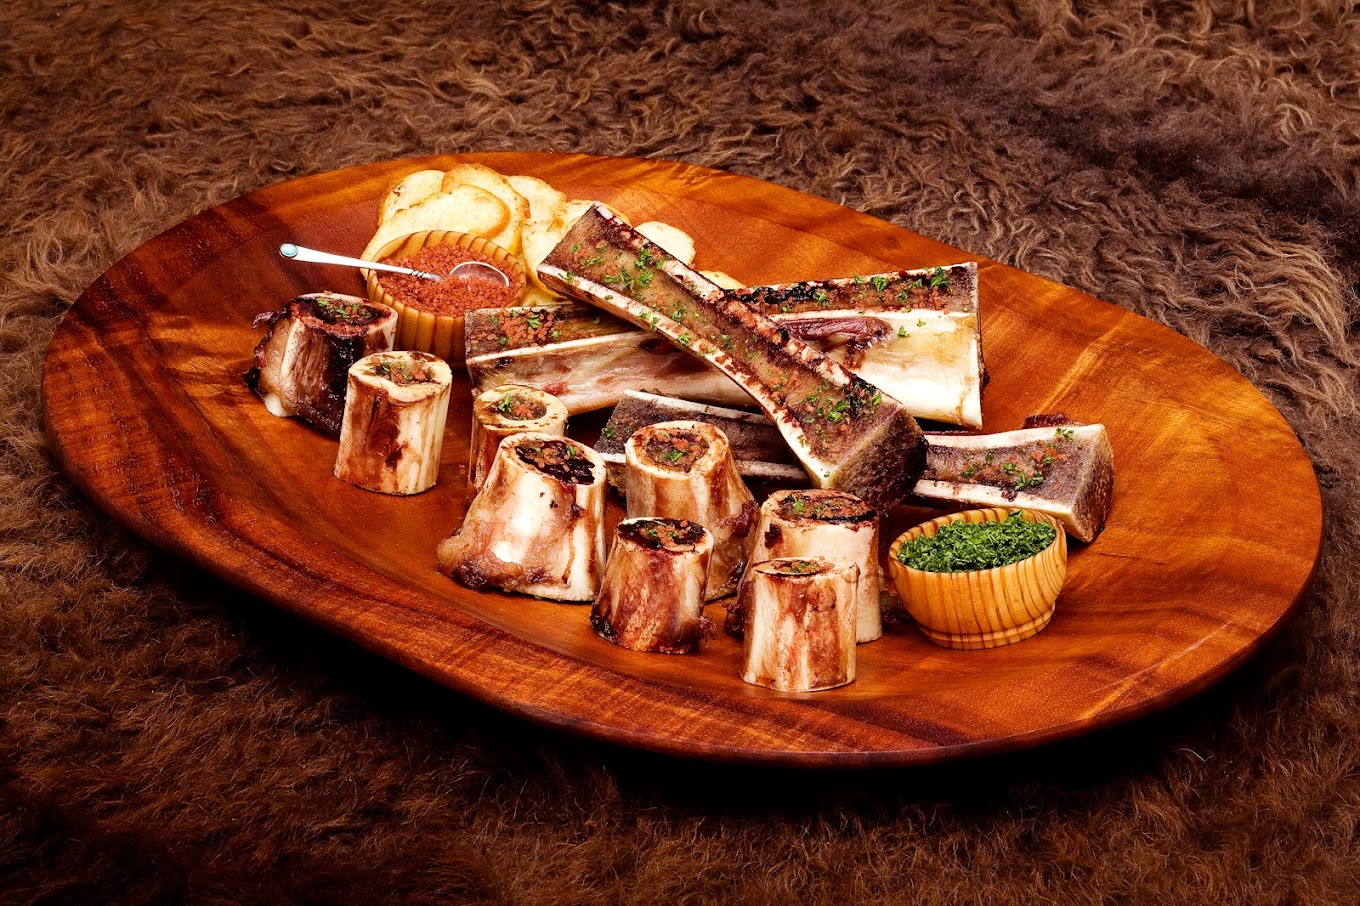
[300,253]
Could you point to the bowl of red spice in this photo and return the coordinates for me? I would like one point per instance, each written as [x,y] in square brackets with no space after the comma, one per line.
[429,312]
[981,578]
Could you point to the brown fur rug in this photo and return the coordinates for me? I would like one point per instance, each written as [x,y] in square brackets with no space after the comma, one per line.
[164,738]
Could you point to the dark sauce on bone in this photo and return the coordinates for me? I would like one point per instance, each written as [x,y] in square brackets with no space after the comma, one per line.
[662,534]
[341,310]
[825,506]
[560,459]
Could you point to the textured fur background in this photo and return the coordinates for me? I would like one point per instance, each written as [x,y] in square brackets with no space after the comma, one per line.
[165,738]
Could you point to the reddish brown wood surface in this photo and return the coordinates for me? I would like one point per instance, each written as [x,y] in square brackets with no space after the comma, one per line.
[1213,539]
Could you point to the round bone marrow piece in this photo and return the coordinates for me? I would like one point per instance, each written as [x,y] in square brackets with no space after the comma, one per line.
[662,534]
[825,506]
[407,368]
[560,459]
[342,310]
[793,566]
[520,407]
[673,448]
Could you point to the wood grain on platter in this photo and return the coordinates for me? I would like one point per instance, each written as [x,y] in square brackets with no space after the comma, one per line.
[1212,542]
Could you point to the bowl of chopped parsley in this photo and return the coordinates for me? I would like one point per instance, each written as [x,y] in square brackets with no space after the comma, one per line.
[981,578]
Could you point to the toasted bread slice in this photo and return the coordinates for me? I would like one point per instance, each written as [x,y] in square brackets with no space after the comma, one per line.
[465,209]
[411,189]
[489,180]
[673,239]
[723,279]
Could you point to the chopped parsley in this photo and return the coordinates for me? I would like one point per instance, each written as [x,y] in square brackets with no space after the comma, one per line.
[967,546]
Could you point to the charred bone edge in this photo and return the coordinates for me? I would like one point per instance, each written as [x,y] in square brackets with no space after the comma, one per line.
[710,493]
[302,363]
[800,627]
[529,531]
[392,434]
[879,460]
[1082,504]
[749,434]
[652,598]
[780,536]
[490,426]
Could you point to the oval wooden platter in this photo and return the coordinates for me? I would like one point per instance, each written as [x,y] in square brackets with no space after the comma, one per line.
[1213,540]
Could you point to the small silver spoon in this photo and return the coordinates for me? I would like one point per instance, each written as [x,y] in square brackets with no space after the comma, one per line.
[467,270]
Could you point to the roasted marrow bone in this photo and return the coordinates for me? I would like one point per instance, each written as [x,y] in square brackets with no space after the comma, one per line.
[537,526]
[847,433]
[652,597]
[800,624]
[302,364]
[584,357]
[393,429]
[506,410]
[818,523]
[914,334]
[757,447]
[1067,473]
[684,470]
[1065,469]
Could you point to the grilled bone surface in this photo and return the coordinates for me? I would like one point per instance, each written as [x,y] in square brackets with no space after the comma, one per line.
[912,333]
[846,433]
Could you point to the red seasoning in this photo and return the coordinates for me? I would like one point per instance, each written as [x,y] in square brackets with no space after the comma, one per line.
[453,295]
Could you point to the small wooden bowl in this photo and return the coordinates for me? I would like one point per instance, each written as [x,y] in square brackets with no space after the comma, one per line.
[425,331]
[984,608]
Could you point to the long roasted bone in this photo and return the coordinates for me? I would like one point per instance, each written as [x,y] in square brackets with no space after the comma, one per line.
[393,430]
[302,364]
[503,411]
[847,433]
[652,598]
[914,334]
[584,357]
[800,624]
[684,470]
[1064,469]
[754,439]
[537,526]
[817,523]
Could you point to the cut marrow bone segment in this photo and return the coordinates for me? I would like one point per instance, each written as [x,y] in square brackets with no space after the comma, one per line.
[914,334]
[652,597]
[1064,469]
[503,411]
[584,357]
[800,624]
[302,364]
[846,433]
[684,470]
[393,429]
[757,447]
[818,523]
[537,527]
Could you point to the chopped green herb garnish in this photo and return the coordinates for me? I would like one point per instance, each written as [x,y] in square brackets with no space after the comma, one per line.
[966,546]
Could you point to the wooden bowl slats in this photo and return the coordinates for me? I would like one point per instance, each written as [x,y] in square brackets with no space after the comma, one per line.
[147,412]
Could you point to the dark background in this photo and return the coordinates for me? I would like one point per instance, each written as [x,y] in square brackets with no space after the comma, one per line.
[164,738]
